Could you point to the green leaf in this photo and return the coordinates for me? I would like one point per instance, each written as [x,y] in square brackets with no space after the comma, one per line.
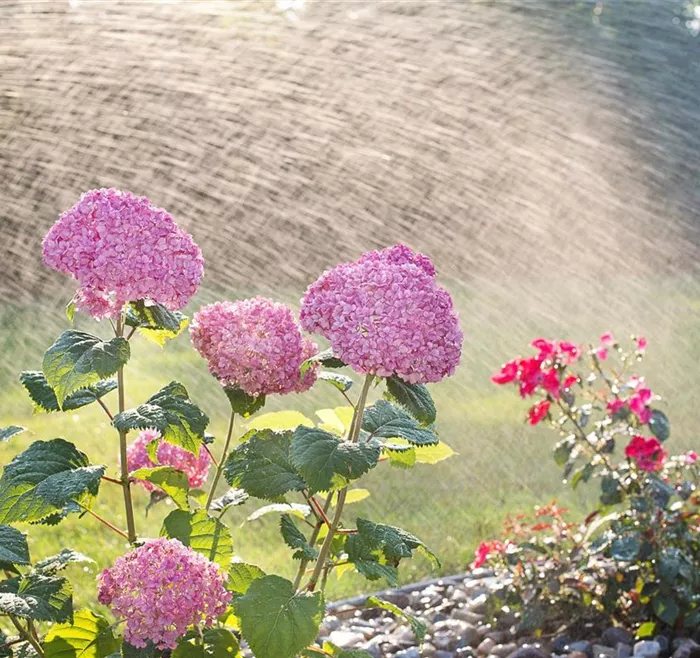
[89,636]
[44,478]
[582,474]
[70,310]
[57,517]
[231,498]
[215,643]
[401,456]
[327,462]
[279,421]
[150,315]
[341,382]
[6,433]
[325,358]
[562,451]
[301,511]
[369,560]
[37,596]
[77,360]
[418,627]
[172,413]
[44,398]
[13,546]
[241,575]
[243,404]
[170,480]
[202,533]
[386,420]
[129,651]
[262,467]
[295,539]
[660,425]
[611,491]
[276,622]
[625,548]
[394,542]
[55,563]
[666,608]
[414,398]
[647,629]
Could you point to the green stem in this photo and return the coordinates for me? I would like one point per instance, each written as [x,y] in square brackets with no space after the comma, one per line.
[105,522]
[27,636]
[355,428]
[312,541]
[125,479]
[222,461]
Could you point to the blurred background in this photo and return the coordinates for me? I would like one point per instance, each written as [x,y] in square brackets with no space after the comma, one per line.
[544,153]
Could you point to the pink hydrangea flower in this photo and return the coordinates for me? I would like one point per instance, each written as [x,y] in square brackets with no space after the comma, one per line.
[639,404]
[161,588]
[691,457]
[646,453]
[254,344]
[195,467]
[607,339]
[385,314]
[485,549]
[121,248]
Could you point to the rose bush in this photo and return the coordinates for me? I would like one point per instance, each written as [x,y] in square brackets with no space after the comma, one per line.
[185,593]
[635,559]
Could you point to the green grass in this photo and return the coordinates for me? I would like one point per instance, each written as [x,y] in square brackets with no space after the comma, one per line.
[502,465]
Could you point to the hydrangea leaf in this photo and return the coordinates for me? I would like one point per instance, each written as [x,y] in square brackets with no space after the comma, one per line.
[262,467]
[202,533]
[77,360]
[44,478]
[341,382]
[70,310]
[37,596]
[58,562]
[215,643]
[179,420]
[13,546]
[44,398]
[57,517]
[395,543]
[243,404]
[369,560]
[155,322]
[430,454]
[295,539]
[660,425]
[6,433]
[130,651]
[170,480]
[89,636]
[326,358]
[297,509]
[401,456]
[241,575]
[326,462]
[279,421]
[276,622]
[417,626]
[231,498]
[385,420]
[414,398]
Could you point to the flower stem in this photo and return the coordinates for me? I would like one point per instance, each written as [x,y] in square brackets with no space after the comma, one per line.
[222,461]
[125,479]
[105,522]
[26,635]
[312,541]
[355,428]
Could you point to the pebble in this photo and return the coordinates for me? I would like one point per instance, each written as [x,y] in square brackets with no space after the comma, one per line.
[623,650]
[615,634]
[346,639]
[485,647]
[528,652]
[603,651]
[647,649]
[686,648]
[583,646]
[412,652]
[504,650]
[467,615]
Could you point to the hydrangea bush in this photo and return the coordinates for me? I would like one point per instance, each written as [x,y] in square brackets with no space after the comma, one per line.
[185,592]
[634,559]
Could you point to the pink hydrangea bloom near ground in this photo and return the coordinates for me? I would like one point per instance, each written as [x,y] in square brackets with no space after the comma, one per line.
[121,248]
[646,453]
[161,588]
[385,314]
[254,344]
[195,467]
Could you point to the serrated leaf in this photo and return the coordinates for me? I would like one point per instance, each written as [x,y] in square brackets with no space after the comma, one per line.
[150,315]
[660,425]
[241,575]
[301,511]
[89,636]
[231,498]
[386,420]
[6,433]
[77,360]
[149,651]
[295,539]
[369,560]
[279,421]
[57,517]
[414,398]
[170,480]
[45,477]
[405,457]
[326,462]
[44,398]
[325,358]
[37,596]
[179,420]
[13,546]
[215,643]
[417,626]
[276,622]
[395,543]
[262,467]
[202,533]
[243,404]
[373,570]
[666,609]
[341,382]
[625,548]
[55,563]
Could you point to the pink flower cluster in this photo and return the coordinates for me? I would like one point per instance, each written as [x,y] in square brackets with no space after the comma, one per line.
[195,467]
[485,549]
[121,248]
[638,402]
[385,314]
[161,588]
[646,453]
[254,344]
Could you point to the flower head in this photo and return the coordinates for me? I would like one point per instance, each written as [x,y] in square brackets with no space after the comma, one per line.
[254,344]
[385,314]
[121,248]
[195,467]
[485,549]
[161,588]
[646,453]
